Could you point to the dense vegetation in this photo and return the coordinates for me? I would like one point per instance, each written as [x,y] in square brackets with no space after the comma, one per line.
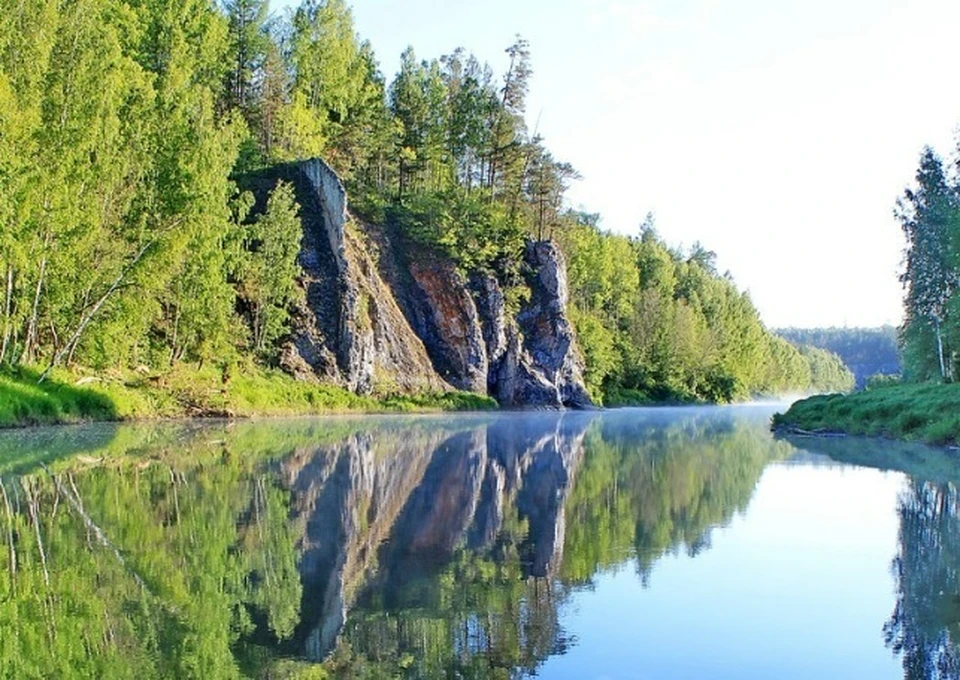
[125,243]
[185,391]
[657,323]
[867,352]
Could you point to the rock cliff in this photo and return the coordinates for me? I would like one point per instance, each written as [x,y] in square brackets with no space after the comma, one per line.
[380,315]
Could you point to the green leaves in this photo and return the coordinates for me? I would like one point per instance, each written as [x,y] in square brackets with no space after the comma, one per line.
[268,269]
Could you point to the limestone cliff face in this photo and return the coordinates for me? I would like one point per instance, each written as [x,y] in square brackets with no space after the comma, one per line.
[378,318]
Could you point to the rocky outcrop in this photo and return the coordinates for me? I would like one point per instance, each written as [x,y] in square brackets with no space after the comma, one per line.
[378,318]
[349,327]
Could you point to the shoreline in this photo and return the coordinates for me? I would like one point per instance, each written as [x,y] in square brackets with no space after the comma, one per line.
[927,413]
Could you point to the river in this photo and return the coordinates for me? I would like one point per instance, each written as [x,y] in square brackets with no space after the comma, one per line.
[635,543]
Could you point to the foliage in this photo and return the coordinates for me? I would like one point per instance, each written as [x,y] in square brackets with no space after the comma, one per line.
[866,351]
[658,324]
[923,412]
[268,274]
[125,244]
[827,371]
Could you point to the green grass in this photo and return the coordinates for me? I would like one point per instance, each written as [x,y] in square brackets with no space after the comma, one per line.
[25,402]
[184,391]
[925,412]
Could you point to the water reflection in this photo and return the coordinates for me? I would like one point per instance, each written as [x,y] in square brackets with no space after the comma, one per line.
[924,629]
[381,547]
[925,625]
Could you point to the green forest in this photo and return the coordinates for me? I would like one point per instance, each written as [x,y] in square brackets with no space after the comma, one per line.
[127,250]
[867,352]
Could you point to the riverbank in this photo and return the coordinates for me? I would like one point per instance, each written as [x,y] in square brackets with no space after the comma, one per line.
[928,413]
[185,391]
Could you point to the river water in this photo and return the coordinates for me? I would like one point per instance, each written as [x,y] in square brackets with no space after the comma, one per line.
[636,543]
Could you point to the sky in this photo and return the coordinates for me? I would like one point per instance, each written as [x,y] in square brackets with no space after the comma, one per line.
[778,133]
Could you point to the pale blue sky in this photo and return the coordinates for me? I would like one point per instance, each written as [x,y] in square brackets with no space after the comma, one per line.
[777,132]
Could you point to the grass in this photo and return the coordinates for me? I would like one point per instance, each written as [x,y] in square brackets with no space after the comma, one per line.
[25,402]
[184,391]
[927,412]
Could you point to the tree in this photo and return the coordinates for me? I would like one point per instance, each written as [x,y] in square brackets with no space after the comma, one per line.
[249,47]
[268,269]
[928,215]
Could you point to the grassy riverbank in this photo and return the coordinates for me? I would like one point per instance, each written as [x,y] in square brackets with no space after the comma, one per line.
[78,396]
[913,412]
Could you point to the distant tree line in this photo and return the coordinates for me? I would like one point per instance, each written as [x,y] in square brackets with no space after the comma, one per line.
[124,240]
[865,351]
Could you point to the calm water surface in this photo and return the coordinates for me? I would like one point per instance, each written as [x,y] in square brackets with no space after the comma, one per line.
[642,543]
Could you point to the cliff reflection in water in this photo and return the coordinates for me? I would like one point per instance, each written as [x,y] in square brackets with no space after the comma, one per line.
[422,546]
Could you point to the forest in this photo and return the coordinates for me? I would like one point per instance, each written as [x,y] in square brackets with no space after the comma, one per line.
[867,352]
[126,246]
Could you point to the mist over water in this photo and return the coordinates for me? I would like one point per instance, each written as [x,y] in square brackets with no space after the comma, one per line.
[667,542]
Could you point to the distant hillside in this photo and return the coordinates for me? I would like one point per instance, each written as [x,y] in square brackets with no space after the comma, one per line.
[866,351]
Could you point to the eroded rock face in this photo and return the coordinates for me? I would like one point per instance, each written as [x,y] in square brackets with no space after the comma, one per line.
[446,318]
[374,320]
[350,314]
[543,366]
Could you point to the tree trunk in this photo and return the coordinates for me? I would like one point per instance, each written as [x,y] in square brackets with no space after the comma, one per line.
[29,342]
[7,310]
[943,366]
[92,312]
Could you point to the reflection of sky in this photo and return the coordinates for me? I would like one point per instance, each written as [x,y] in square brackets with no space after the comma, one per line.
[798,587]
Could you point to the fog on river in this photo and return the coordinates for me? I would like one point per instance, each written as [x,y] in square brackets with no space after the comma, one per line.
[635,543]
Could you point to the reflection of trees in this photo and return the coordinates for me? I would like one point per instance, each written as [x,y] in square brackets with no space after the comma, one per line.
[653,489]
[424,548]
[155,566]
[925,625]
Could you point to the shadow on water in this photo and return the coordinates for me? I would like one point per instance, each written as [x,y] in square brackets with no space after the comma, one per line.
[422,546]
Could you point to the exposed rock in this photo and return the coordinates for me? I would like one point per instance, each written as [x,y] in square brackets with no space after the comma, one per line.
[349,327]
[376,319]
[446,319]
[542,366]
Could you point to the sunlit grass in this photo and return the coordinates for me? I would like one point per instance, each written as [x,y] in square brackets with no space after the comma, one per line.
[187,391]
[923,412]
